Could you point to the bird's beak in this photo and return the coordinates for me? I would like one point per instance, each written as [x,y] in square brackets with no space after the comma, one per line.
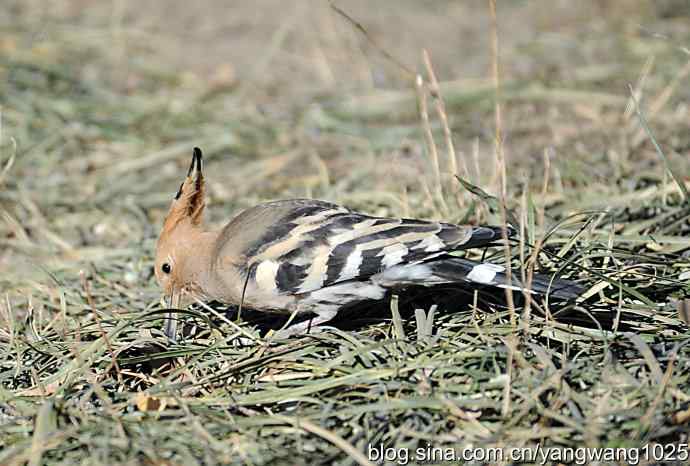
[170,319]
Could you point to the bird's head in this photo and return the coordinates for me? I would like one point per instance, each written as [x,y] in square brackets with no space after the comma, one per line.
[177,252]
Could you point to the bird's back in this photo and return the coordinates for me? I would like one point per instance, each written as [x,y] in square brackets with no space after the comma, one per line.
[293,247]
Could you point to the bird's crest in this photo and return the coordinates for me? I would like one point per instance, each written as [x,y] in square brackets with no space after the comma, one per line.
[189,201]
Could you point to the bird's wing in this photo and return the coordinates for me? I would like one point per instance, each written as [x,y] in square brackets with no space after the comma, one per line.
[299,246]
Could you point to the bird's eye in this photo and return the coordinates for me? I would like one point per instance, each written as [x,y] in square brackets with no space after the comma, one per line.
[166,268]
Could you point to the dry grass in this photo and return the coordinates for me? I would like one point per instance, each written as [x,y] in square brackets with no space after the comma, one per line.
[100,109]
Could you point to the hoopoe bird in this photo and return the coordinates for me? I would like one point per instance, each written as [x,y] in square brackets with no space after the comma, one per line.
[303,255]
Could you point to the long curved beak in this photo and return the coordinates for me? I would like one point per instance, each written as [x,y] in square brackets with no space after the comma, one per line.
[170,320]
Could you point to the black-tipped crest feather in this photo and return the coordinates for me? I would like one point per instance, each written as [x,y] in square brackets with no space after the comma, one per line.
[189,199]
[198,156]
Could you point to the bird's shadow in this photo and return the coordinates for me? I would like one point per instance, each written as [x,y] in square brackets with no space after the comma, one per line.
[448,300]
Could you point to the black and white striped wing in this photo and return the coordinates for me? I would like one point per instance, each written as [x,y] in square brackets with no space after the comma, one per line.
[318,245]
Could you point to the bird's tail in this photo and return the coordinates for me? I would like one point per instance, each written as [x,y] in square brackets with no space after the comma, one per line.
[456,269]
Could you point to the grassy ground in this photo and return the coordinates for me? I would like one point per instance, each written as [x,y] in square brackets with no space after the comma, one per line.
[101,105]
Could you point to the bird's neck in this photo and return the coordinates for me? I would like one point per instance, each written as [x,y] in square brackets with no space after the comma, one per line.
[198,257]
